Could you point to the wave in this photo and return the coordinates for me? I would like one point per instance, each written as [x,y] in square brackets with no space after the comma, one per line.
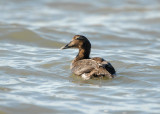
[27,37]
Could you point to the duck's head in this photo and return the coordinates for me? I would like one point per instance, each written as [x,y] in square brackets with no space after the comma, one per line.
[78,41]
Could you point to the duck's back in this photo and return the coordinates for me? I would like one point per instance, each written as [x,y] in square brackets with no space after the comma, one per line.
[94,67]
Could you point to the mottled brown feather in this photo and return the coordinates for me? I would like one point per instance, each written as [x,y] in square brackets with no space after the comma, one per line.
[93,67]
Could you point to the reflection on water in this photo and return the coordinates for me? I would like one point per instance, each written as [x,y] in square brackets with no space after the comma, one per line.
[35,75]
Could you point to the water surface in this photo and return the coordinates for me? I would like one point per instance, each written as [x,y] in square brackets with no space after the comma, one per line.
[34,73]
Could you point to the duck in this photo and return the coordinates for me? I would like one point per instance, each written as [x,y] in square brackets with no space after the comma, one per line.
[86,67]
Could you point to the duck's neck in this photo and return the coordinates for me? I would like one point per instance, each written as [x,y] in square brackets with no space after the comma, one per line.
[83,54]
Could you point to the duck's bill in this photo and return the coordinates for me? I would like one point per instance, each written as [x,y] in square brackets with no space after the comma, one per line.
[69,45]
[65,47]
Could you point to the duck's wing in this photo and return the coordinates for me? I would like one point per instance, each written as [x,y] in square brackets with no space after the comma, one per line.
[83,66]
[108,67]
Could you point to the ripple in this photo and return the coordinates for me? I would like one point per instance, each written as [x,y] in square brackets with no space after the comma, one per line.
[35,75]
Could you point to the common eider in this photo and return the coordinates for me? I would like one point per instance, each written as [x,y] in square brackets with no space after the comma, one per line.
[85,66]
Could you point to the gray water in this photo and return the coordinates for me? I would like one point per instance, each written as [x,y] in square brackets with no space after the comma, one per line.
[34,73]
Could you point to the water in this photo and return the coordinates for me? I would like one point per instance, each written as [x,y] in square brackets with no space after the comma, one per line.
[34,73]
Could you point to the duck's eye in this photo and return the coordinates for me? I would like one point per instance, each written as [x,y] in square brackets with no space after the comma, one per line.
[79,38]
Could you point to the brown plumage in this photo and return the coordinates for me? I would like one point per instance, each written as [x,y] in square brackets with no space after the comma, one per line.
[85,66]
